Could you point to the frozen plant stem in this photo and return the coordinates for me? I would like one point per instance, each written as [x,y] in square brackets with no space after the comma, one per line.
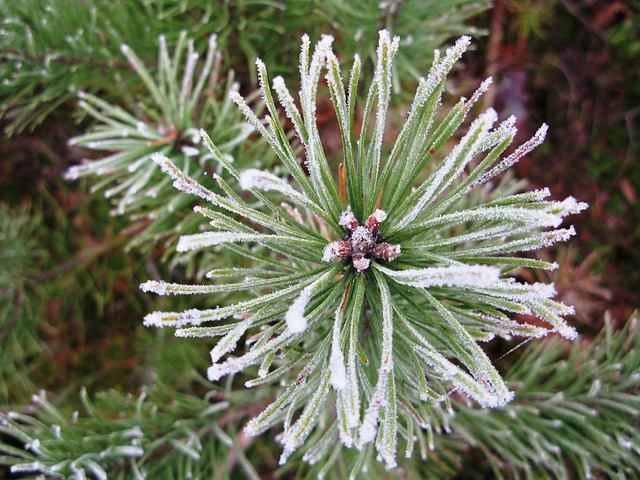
[376,293]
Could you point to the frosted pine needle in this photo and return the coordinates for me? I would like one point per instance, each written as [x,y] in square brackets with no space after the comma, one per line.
[179,96]
[367,298]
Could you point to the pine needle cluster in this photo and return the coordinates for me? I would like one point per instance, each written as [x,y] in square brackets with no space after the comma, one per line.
[371,287]
[177,100]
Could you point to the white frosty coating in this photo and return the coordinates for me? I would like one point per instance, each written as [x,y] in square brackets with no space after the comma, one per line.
[228,343]
[331,251]
[128,451]
[347,219]
[95,469]
[249,114]
[135,432]
[427,87]
[361,264]
[181,181]
[511,290]
[295,318]
[309,77]
[337,369]
[255,355]
[165,319]
[502,325]
[379,215]
[34,446]
[453,276]
[187,78]
[520,152]
[368,427]
[253,178]
[264,420]
[499,231]
[336,87]
[190,151]
[461,380]
[533,242]
[286,100]
[370,420]
[561,235]
[31,467]
[154,286]
[482,89]
[507,130]
[547,216]
[295,436]
[569,206]
[361,235]
[481,390]
[345,416]
[382,76]
[454,52]
[74,172]
[550,312]
[445,174]
[208,239]
[196,317]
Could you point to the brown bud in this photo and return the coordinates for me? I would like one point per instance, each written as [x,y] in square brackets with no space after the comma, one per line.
[386,251]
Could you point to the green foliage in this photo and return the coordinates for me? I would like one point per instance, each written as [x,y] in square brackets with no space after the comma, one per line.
[424,26]
[51,49]
[67,294]
[576,411]
[158,434]
[20,295]
[67,288]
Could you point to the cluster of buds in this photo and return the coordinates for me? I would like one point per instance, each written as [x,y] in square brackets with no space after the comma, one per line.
[362,242]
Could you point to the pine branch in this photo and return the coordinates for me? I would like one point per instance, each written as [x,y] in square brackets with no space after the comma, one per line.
[576,411]
[383,236]
[182,95]
[157,434]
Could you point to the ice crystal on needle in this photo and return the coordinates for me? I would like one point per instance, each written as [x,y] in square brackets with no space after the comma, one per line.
[368,297]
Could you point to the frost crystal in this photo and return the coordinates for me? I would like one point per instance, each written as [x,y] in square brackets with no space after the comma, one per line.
[295,315]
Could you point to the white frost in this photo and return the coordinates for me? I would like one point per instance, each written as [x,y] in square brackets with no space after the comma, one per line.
[295,315]
[337,369]
[453,276]
[209,239]
[331,251]
[380,215]
[361,264]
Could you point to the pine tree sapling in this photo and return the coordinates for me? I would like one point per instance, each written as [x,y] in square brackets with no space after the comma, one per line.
[178,100]
[370,287]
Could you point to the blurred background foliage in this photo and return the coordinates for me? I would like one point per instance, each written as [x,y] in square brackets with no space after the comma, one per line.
[70,308]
